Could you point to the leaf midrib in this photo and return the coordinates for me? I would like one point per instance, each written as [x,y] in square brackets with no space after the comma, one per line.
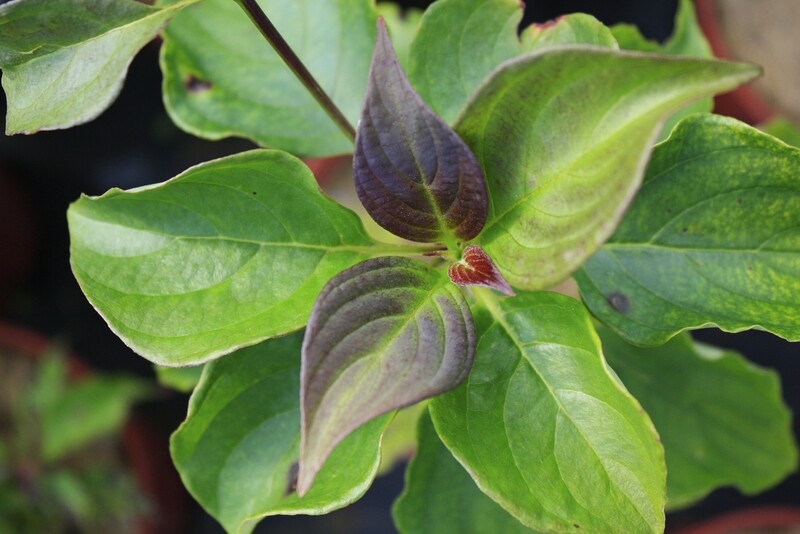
[361,249]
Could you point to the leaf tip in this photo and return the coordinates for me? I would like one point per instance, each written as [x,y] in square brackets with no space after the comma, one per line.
[304,471]
[382,38]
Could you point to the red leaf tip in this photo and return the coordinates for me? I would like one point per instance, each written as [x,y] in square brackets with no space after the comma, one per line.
[477,269]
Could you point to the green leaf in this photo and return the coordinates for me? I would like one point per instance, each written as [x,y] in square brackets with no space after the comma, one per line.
[546,429]
[384,334]
[577,28]
[403,26]
[441,498]
[91,409]
[629,37]
[237,450]
[713,238]
[721,419]
[227,254]
[563,136]
[461,41]
[687,40]
[64,61]
[183,379]
[221,78]
[414,175]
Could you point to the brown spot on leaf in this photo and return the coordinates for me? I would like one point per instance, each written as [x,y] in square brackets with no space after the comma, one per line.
[291,479]
[196,85]
[618,301]
[685,229]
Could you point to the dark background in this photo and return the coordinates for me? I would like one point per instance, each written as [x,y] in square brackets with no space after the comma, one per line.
[134,143]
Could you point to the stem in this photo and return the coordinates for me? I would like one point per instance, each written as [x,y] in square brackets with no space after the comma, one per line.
[404,249]
[286,53]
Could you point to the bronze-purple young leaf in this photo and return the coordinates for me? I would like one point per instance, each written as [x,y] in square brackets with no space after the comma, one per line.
[383,334]
[476,268]
[413,173]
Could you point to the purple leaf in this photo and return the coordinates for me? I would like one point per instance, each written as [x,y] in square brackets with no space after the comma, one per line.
[413,173]
[385,333]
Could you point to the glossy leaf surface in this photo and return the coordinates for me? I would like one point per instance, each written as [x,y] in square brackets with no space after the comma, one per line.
[221,78]
[545,428]
[227,254]
[712,238]
[563,136]
[440,498]
[475,268]
[384,334]
[414,175]
[461,41]
[64,61]
[238,448]
[721,419]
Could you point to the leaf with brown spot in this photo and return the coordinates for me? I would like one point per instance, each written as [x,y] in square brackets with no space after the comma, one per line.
[726,252]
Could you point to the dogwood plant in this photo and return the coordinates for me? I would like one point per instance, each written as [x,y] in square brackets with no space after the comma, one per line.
[508,162]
